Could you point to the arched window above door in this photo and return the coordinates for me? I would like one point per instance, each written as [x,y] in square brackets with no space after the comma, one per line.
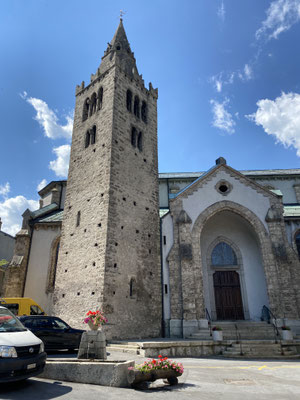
[223,254]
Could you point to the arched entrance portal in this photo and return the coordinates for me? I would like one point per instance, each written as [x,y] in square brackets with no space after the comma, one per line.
[233,274]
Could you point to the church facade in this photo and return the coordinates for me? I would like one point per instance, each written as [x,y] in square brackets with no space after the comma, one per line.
[224,247]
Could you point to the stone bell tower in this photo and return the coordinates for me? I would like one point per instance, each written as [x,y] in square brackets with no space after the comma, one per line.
[109,252]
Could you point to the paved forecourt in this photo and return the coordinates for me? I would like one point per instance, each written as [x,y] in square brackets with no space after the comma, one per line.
[210,378]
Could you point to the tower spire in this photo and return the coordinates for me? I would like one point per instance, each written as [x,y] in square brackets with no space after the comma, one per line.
[120,37]
[118,52]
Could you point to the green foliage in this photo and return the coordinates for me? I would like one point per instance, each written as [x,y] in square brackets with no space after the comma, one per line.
[3,262]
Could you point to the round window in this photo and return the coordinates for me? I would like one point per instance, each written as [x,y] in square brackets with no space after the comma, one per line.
[223,187]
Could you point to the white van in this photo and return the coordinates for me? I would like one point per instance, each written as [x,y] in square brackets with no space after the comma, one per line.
[22,354]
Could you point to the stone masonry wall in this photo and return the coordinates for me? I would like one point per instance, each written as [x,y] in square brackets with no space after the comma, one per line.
[133,228]
[15,274]
[79,282]
[111,260]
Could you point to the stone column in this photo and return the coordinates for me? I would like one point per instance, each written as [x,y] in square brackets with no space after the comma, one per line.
[288,268]
[92,345]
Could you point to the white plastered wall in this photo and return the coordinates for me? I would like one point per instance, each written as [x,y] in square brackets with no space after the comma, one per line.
[38,265]
[250,269]
[206,195]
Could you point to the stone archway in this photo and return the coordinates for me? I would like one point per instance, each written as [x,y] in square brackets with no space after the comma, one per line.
[264,244]
[232,269]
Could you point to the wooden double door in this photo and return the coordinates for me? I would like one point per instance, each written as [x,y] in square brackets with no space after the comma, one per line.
[228,298]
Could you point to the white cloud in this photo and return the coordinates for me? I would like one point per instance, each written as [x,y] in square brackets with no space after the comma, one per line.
[222,119]
[280,118]
[61,164]
[222,79]
[248,73]
[48,119]
[221,11]
[5,189]
[217,82]
[11,211]
[41,185]
[281,16]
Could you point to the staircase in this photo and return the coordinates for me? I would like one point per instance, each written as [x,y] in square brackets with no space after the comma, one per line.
[260,349]
[247,330]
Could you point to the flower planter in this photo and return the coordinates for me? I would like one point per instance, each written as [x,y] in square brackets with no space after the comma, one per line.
[217,336]
[287,334]
[151,376]
[94,327]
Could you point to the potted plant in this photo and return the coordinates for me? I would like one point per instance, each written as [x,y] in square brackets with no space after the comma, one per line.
[152,369]
[287,334]
[95,319]
[217,333]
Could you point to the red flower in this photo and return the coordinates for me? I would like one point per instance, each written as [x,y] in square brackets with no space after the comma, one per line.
[153,362]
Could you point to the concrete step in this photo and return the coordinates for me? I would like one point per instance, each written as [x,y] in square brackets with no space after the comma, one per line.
[260,350]
[246,330]
[124,348]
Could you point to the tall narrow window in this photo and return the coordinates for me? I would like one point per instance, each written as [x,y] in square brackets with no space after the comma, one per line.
[93,134]
[100,98]
[132,288]
[86,108]
[129,100]
[140,141]
[136,107]
[144,111]
[87,138]
[93,104]
[78,219]
[133,136]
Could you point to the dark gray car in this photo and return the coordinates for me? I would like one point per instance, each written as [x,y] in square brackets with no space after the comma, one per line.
[53,331]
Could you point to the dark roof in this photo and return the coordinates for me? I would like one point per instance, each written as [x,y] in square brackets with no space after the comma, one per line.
[254,173]
[56,216]
[42,211]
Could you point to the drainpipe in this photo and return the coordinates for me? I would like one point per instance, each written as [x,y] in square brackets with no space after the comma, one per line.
[162,282]
[180,281]
[29,249]
[60,196]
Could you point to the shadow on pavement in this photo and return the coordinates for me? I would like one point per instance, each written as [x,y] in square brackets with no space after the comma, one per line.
[154,387]
[33,389]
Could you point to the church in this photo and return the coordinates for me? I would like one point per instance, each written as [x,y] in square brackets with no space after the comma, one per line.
[160,254]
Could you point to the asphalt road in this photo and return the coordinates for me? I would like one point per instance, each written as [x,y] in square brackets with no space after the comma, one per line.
[212,378]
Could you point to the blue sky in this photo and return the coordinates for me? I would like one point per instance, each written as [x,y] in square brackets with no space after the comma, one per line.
[227,73]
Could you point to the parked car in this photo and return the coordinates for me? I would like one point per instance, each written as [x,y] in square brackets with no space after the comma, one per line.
[22,306]
[53,331]
[22,354]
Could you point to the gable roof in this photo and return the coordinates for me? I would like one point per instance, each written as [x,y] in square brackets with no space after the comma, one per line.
[193,186]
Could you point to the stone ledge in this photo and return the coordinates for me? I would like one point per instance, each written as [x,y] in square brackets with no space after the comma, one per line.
[97,372]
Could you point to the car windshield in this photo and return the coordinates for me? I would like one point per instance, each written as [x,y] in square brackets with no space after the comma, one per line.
[9,323]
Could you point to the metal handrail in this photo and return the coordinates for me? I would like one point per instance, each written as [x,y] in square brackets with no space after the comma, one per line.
[266,311]
[209,321]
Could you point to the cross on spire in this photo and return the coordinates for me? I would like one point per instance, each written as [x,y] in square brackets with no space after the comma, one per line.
[122,12]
